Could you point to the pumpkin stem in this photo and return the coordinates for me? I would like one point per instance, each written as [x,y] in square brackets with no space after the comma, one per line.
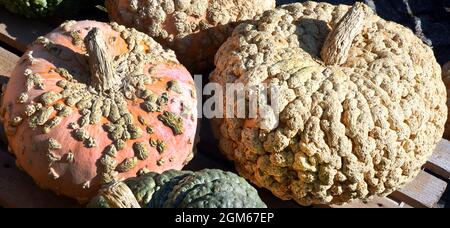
[119,195]
[337,45]
[100,63]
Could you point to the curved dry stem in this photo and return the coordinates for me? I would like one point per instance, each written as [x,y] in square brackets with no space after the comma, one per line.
[337,45]
[100,63]
[119,195]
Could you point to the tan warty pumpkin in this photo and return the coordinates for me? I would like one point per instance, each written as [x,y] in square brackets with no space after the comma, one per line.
[194,29]
[361,103]
[92,103]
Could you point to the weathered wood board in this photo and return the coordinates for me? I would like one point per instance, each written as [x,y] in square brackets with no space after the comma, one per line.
[376,202]
[425,191]
[18,189]
[439,162]
[8,60]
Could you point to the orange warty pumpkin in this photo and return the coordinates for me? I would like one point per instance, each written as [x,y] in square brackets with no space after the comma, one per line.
[92,103]
[193,29]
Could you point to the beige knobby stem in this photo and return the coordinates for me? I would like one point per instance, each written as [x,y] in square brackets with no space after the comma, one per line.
[119,195]
[337,45]
[100,63]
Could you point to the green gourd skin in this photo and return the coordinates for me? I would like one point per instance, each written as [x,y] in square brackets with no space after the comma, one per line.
[47,8]
[186,189]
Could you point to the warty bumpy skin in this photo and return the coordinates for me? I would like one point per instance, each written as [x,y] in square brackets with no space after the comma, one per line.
[346,132]
[194,29]
[209,188]
[92,103]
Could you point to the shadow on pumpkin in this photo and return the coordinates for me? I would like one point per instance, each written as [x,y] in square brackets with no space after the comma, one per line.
[63,57]
[311,35]
[198,51]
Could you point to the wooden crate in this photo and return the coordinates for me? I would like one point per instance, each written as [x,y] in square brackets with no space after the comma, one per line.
[18,190]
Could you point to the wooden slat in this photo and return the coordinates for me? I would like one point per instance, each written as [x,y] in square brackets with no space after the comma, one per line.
[439,162]
[423,192]
[18,32]
[18,190]
[8,61]
[376,202]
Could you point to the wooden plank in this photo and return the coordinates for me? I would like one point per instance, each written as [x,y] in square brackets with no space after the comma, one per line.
[17,189]
[8,61]
[18,31]
[439,163]
[376,202]
[423,192]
